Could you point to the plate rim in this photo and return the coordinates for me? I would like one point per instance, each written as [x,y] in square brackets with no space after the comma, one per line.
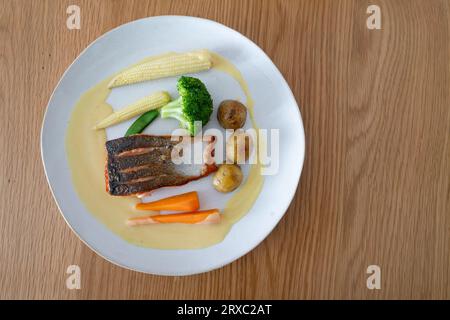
[282,211]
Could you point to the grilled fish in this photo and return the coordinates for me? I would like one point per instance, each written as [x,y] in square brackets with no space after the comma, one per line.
[141,163]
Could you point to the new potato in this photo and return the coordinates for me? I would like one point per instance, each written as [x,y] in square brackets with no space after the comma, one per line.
[227,178]
[231,114]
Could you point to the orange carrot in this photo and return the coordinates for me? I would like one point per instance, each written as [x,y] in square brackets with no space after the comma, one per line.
[195,217]
[182,202]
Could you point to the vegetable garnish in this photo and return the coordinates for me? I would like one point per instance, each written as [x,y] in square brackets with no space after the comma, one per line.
[142,122]
[182,202]
[196,217]
[148,103]
[227,178]
[172,65]
[231,114]
[194,104]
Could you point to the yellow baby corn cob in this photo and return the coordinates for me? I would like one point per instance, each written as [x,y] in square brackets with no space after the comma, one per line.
[145,104]
[171,65]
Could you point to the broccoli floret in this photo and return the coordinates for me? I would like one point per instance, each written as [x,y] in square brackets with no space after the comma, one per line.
[194,104]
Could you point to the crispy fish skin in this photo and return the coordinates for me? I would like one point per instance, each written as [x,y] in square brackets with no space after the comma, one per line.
[120,145]
[141,163]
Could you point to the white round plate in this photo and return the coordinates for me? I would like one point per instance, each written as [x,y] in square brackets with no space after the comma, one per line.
[275,107]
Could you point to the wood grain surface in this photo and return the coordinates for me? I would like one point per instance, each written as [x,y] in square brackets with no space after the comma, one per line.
[375,187]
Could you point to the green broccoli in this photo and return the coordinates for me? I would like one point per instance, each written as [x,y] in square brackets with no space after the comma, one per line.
[194,104]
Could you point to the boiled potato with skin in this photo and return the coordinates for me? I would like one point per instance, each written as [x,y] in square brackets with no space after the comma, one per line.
[238,147]
[227,178]
[231,114]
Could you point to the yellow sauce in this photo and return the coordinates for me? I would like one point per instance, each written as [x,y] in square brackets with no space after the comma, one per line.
[86,154]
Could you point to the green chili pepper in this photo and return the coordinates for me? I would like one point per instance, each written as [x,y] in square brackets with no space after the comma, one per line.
[142,122]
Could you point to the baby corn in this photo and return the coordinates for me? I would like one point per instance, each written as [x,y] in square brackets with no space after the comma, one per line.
[148,103]
[171,65]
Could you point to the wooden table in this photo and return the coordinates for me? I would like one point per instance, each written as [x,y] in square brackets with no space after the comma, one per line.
[375,187]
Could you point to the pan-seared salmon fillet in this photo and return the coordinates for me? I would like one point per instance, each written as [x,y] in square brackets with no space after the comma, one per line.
[141,163]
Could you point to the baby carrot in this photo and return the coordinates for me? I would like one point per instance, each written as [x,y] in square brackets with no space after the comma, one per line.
[196,217]
[182,202]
